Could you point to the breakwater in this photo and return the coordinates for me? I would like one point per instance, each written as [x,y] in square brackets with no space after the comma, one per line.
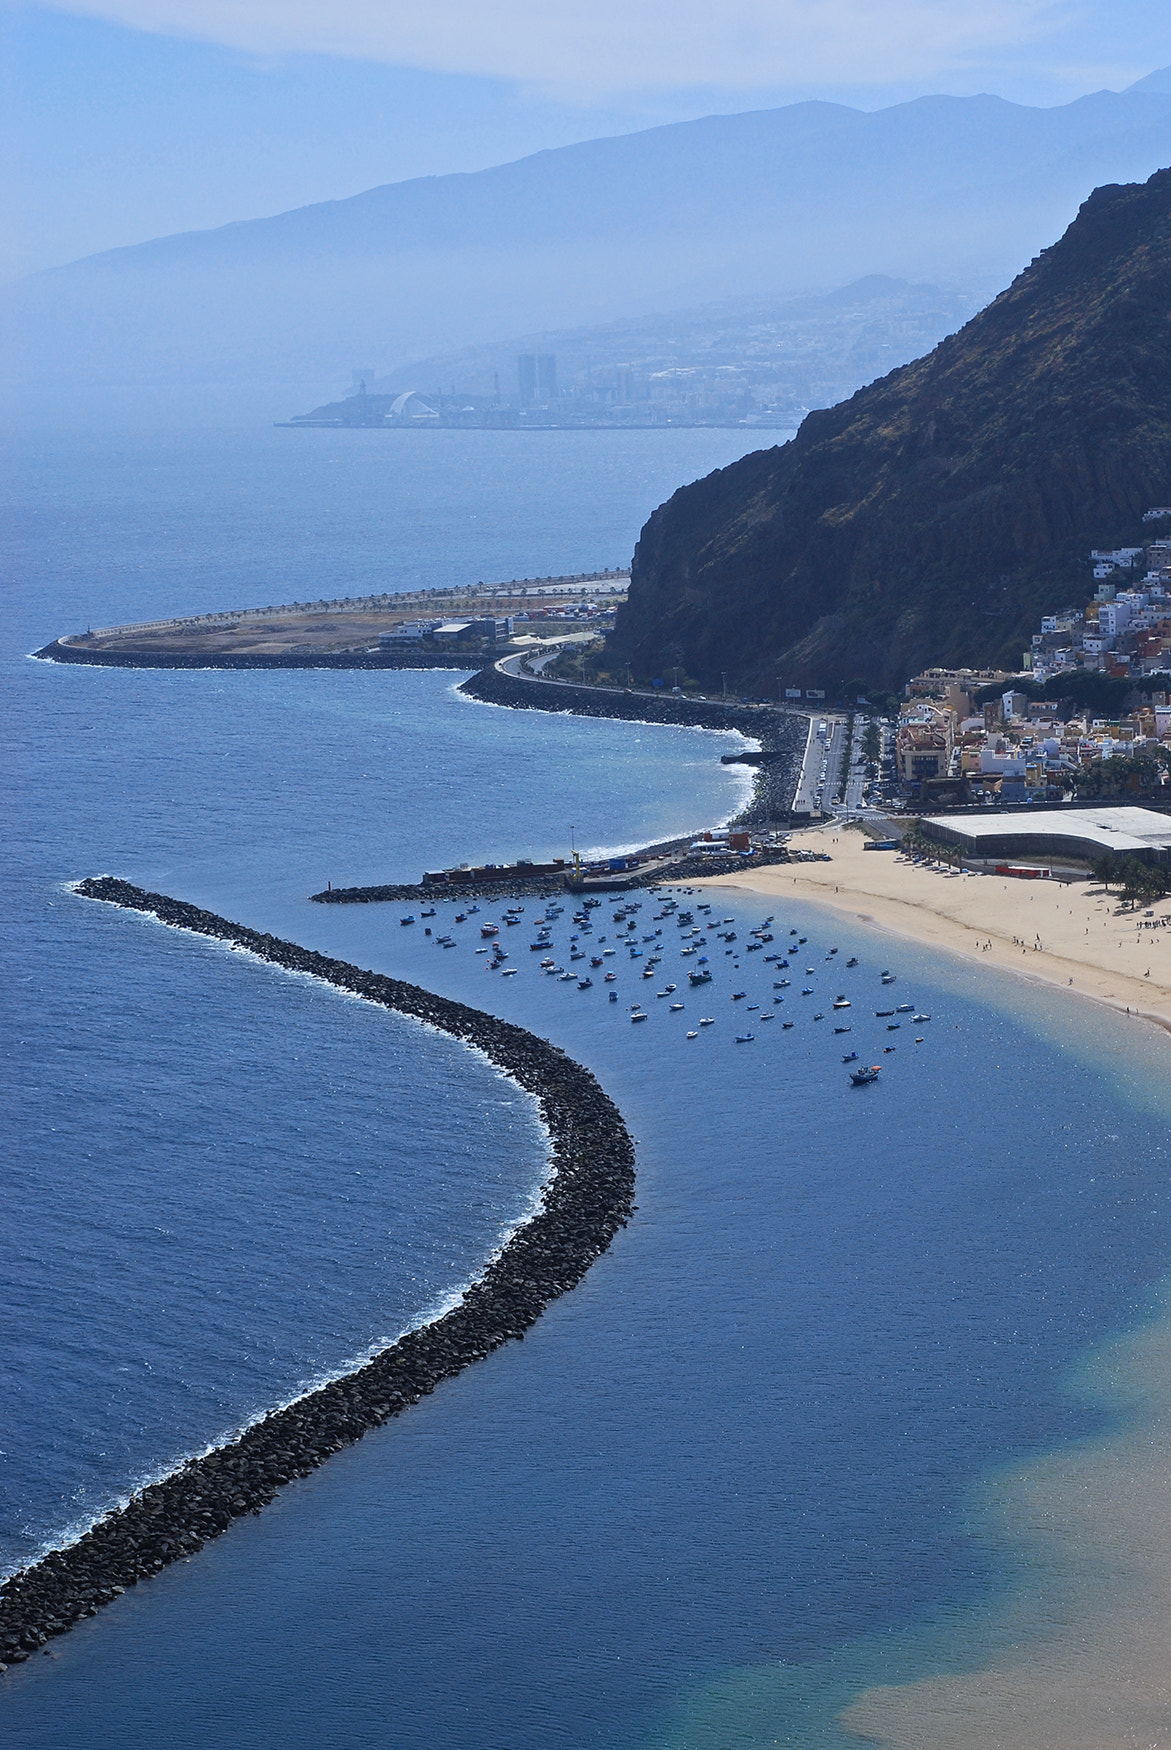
[781,734]
[587,1197]
[675,873]
[366,659]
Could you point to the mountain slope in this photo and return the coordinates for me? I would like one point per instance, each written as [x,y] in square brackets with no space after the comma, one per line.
[774,203]
[936,513]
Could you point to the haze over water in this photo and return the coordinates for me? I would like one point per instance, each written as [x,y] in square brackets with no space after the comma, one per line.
[727,1483]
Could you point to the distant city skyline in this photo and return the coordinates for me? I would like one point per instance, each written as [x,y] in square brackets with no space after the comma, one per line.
[131,119]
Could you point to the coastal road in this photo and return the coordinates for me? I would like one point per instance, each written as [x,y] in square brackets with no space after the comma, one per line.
[824,752]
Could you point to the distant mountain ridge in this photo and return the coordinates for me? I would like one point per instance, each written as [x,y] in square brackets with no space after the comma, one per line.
[775,203]
[933,516]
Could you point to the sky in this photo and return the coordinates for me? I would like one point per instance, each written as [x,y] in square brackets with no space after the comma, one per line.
[129,119]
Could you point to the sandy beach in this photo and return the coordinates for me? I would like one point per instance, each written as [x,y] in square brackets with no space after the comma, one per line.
[1069,934]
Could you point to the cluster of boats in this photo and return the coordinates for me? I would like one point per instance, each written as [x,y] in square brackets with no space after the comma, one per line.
[699,930]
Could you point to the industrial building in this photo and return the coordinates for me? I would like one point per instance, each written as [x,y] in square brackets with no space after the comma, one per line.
[1082,833]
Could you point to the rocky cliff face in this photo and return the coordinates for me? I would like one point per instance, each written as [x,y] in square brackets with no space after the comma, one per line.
[933,516]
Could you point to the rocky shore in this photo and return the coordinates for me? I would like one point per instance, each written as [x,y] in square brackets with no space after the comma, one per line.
[780,733]
[588,1196]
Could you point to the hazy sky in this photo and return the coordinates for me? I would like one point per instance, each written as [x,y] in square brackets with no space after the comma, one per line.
[126,119]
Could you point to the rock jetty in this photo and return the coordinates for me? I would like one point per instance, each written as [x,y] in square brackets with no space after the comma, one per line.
[587,1197]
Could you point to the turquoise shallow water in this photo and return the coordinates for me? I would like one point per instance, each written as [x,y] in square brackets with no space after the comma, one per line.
[746,1443]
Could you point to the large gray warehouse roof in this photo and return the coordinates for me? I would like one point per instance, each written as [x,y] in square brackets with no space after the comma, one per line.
[1069,832]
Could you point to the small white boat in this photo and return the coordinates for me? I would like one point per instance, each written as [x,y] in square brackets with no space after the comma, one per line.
[708,1021]
[675,1008]
[745,1038]
[641,1016]
[693,1034]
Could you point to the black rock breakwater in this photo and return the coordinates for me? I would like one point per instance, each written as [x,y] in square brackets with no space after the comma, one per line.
[781,734]
[58,652]
[588,1196]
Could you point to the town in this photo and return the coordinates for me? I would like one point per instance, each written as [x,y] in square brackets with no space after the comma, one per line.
[1087,717]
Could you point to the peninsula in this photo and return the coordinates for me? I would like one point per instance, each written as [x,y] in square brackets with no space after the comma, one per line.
[416,628]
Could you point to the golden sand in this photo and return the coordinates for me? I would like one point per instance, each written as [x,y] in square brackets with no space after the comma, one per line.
[1068,934]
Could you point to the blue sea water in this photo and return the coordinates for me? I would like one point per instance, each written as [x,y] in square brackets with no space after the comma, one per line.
[744,1445]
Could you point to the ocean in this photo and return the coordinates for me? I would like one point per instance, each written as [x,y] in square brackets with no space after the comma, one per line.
[737,1477]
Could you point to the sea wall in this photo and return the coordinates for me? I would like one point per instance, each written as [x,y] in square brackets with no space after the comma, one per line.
[587,1198]
[58,652]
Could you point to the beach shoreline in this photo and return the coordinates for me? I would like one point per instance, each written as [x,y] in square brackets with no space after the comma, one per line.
[1068,935]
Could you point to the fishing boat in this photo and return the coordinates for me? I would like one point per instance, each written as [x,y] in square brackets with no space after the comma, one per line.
[883,1014]
[841,1029]
[509,972]
[409,920]
[585,984]
[850,1057]
[852,962]
[920,1017]
[708,1021]
[766,1017]
[860,1077]
[738,995]
[487,930]
[745,1038]
[693,1034]
[461,917]
[566,977]
[595,959]
[699,977]
[785,1025]
[674,1009]
[428,914]
[889,978]
[808,991]
[893,1026]
[639,1017]
[613,996]
[611,978]
[841,1002]
[819,1017]
[904,1008]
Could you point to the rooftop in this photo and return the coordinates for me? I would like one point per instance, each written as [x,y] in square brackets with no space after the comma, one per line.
[1110,828]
